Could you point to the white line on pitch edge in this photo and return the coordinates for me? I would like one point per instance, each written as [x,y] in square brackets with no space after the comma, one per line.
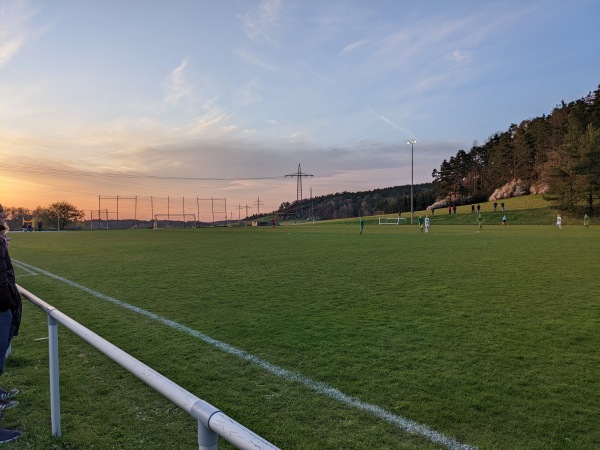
[25,269]
[403,423]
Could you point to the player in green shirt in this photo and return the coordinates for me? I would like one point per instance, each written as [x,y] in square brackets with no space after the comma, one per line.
[421,222]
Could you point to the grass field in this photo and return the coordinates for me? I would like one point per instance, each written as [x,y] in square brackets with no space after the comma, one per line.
[490,338]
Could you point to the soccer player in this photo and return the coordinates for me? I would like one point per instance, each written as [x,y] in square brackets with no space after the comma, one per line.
[504,222]
[559,222]
[586,221]
[427,224]
[362,224]
[421,223]
[480,221]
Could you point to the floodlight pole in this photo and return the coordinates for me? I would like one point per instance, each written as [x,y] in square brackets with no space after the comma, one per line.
[412,171]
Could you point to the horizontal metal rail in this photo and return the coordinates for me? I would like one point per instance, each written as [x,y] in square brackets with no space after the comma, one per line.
[212,422]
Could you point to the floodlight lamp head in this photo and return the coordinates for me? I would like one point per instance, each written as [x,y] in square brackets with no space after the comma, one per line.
[411,142]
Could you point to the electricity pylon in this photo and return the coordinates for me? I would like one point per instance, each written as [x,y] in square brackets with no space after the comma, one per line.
[258,203]
[299,175]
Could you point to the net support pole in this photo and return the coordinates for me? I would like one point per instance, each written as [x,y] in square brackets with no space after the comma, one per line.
[152,211]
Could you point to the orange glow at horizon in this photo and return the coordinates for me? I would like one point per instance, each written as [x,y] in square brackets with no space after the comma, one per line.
[29,195]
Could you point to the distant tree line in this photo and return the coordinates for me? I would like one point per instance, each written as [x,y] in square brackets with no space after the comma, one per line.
[391,200]
[558,155]
[57,215]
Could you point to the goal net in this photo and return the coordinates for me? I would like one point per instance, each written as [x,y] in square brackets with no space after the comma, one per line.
[174,220]
[391,220]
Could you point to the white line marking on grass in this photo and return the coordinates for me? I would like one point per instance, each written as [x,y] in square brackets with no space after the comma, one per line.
[23,268]
[403,423]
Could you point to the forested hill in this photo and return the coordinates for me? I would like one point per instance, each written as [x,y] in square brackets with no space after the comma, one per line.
[391,200]
[557,155]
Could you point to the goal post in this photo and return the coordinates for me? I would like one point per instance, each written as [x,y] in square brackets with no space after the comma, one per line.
[174,221]
[391,220]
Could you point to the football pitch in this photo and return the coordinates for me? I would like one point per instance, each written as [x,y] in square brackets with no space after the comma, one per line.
[393,339]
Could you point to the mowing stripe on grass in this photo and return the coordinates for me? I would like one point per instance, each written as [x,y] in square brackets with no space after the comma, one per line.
[403,423]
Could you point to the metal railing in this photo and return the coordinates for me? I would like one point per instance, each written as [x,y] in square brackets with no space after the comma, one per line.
[212,422]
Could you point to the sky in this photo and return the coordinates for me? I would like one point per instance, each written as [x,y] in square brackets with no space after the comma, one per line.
[199,99]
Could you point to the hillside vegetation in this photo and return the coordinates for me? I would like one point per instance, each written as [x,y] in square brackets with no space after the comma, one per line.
[525,210]
[556,154]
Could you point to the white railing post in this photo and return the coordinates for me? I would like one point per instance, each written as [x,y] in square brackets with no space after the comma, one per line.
[54,376]
[207,439]
[203,411]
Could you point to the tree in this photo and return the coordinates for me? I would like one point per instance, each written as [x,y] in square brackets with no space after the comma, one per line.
[567,186]
[60,213]
[589,164]
[16,215]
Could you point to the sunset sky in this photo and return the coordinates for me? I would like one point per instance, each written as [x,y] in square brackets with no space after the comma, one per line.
[222,99]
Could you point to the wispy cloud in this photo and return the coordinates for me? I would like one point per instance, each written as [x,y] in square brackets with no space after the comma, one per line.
[178,84]
[9,48]
[298,138]
[251,58]
[391,123]
[260,22]
[248,94]
[210,122]
[460,56]
[411,45]
[14,16]
[351,47]
[440,45]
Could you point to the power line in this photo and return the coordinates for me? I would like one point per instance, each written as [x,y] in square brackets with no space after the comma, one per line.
[55,171]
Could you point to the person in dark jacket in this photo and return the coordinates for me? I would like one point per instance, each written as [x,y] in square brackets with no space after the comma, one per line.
[10,320]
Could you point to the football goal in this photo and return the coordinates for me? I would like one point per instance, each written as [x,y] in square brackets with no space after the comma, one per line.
[391,220]
[174,221]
